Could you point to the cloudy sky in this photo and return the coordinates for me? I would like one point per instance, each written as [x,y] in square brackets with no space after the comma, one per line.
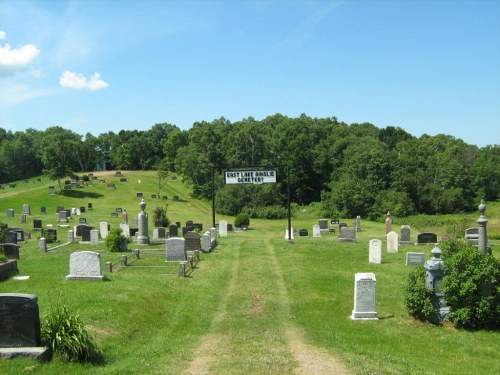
[429,67]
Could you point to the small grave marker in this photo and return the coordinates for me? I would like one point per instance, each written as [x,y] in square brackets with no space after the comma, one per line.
[85,265]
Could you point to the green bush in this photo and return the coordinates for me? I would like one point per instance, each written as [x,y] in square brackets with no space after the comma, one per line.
[113,240]
[269,212]
[160,215]
[66,335]
[418,298]
[3,258]
[471,286]
[241,220]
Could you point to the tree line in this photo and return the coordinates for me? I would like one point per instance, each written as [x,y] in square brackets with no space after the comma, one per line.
[356,169]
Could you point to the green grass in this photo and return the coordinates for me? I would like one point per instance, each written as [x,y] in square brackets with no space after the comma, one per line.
[235,313]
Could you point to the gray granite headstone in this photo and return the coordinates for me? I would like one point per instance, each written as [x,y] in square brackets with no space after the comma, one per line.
[85,265]
[347,234]
[205,243]
[173,230]
[10,212]
[364,297]
[223,228]
[63,216]
[405,235]
[323,224]
[26,209]
[94,237]
[193,241]
[176,249]
[415,259]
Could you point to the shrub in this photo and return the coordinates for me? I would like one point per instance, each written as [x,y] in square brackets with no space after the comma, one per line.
[241,220]
[471,286]
[3,228]
[269,212]
[3,258]
[418,298]
[160,215]
[114,239]
[66,335]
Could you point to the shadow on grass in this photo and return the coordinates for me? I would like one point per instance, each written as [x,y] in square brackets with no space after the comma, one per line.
[81,194]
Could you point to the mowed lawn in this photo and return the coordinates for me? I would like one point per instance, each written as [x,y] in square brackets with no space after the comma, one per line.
[253,306]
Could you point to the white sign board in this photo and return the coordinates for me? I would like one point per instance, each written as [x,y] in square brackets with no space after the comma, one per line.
[250,177]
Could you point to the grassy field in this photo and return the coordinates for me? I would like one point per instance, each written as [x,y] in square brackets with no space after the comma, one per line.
[256,305]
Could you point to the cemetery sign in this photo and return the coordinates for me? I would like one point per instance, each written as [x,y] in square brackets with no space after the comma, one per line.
[250,177]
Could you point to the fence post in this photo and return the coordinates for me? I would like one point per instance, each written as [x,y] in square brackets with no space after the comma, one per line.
[109,266]
[123,260]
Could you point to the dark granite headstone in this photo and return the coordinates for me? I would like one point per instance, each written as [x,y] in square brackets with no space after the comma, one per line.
[82,220]
[173,230]
[82,209]
[50,235]
[427,238]
[193,241]
[85,230]
[43,210]
[37,224]
[10,250]
[133,231]
[10,236]
[139,195]
[19,321]
[303,233]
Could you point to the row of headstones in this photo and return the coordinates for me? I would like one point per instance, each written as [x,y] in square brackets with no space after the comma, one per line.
[177,247]
[375,254]
[26,210]
[154,196]
[323,224]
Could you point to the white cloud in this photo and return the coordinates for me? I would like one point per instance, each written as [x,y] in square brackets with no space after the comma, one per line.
[13,60]
[2,35]
[78,81]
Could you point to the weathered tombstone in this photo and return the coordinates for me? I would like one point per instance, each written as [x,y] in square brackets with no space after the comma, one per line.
[94,237]
[342,225]
[415,259]
[85,265]
[392,242]
[173,230]
[405,235]
[10,250]
[19,234]
[176,249]
[347,234]
[82,220]
[10,236]
[43,210]
[323,224]
[20,326]
[85,231]
[42,244]
[364,297]
[205,243]
[142,235]
[71,236]
[159,233]
[10,212]
[52,190]
[73,211]
[375,251]
[426,238]
[26,209]
[223,228]
[472,236]
[316,231]
[213,236]
[37,224]
[50,235]
[192,241]
[358,224]
[176,198]
[103,229]
[63,216]
[125,229]
[388,223]
[434,273]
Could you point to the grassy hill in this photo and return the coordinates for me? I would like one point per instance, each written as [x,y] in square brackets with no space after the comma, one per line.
[256,305]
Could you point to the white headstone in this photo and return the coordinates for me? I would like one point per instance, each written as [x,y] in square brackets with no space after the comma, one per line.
[205,242]
[375,252]
[316,230]
[125,229]
[223,228]
[94,237]
[85,265]
[103,229]
[392,242]
[364,297]
[176,249]
[71,236]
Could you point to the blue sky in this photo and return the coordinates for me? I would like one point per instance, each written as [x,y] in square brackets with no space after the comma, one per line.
[429,67]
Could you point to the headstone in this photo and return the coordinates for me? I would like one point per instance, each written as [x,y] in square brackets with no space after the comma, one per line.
[229,227]
[223,228]
[63,216]
[71,236]
[85,231]
[426,238]
[139,195]
[205,243]
[133,232]
[82,220]
[142,235]
[79,228]
[316,230]
[52,190]
[213,236]
[42,244]
[364,297]
[19,321]
[323,224]
[94,237]
[37,224]
[82,209]
[10,250]
[405,235]
[192,241]
[375,251]
[24,217]
[173,230]
[434,273]
[358,224]
[10,236]
[50,235]
[303,233]
[19,234]
[388,223]
[73,211]
[103,229]
[176,249]
[482,242]
[472,236]
[59,209]
[43,210]
[342,225]
[90,206]
[125,229]
[347,234]
[159,233]
[85,265]
[10,212]
[415,259]
[119,210]
[26,209]
[392,242]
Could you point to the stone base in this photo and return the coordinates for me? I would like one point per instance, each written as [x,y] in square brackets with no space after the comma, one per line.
[356,315]
[40,353]
[91,278]
[404,242]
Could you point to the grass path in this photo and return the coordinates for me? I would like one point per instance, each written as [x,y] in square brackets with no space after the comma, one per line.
[253,330]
